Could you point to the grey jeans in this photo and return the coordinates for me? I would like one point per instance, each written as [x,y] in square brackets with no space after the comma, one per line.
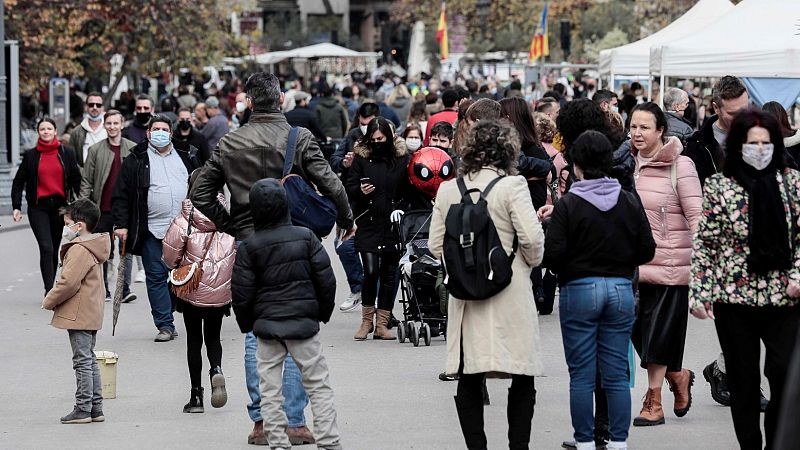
[88,395]
[308,356]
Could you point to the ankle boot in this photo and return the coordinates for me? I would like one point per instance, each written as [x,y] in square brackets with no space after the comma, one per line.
[680,383]
[195,404]
[218,394]
[520,415]
[470,416]
[652,413]
[367,312]
[382,326]
[257,436]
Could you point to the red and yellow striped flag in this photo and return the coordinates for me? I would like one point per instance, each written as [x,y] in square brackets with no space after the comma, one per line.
[441,34]
[539,45]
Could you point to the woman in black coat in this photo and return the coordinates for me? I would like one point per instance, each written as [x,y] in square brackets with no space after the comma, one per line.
[377,183]
[50,177]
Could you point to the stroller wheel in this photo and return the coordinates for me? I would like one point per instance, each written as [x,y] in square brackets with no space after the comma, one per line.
[425,331]
[413,336]
[401,332]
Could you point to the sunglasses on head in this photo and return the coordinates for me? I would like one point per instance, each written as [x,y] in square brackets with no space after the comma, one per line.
[95,105]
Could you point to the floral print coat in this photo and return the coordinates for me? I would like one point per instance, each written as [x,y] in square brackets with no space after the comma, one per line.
[720,248]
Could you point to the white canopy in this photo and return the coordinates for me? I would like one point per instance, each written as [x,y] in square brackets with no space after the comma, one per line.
[634,58]
[324,50]
[758,38]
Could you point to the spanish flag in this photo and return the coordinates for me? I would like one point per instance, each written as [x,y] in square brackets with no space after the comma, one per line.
[539,45]
[441,34]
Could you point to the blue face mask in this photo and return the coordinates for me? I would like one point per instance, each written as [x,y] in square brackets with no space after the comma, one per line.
[159,138]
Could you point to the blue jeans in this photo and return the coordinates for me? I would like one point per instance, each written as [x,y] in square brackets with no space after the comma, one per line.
[294,396]
[161,298]
[351,263]
[597,316]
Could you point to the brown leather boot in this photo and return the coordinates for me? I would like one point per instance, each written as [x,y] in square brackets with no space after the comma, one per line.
[257,436]
[367,312]
[680,383]
[381,327]
[300,436]
[652,413]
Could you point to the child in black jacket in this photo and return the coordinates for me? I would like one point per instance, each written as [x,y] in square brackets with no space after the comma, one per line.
[283,286]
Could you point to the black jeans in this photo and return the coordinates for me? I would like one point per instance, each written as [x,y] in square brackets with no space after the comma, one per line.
[202,324]
[379,268]
[47,225]
[741,329]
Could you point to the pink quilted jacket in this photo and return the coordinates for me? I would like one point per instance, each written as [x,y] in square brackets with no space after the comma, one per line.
[180,248]
[673,214]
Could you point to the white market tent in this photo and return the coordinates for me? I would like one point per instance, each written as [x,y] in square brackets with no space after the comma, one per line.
[634,58]
[757,39]
[324,50]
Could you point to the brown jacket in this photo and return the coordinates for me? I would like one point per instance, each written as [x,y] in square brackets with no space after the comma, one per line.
[78,298]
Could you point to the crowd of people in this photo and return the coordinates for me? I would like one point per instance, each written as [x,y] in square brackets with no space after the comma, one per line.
[640,215]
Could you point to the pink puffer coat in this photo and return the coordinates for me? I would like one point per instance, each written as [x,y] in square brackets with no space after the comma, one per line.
[180,248]
[673,215]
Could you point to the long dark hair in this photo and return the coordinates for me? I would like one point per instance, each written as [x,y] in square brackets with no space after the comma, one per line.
[737,136]
[776,109]
[384,126]
[592,152]
[517,111]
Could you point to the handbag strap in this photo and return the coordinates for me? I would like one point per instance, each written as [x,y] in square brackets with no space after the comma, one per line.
[288,162]
[191,216]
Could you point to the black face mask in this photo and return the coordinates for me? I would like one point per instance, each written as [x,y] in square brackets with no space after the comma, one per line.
[184,125]
[381,148]
[143,117]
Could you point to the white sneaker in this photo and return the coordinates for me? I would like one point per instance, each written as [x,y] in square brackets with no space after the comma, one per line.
[351,303]
[140,277]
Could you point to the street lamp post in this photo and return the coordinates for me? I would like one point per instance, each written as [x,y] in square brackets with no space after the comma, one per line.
[482,8]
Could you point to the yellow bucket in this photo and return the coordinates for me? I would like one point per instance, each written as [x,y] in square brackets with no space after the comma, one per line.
[107,361]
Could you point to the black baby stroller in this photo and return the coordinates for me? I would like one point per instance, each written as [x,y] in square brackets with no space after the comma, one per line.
[423,312]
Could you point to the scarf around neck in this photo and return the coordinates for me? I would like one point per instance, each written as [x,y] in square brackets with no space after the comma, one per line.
[48,147]
[768,236]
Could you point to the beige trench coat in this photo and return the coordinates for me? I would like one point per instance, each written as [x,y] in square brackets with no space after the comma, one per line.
[499,334]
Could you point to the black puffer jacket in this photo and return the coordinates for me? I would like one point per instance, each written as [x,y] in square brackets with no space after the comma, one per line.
[283,284]
[392,189]
[705,151]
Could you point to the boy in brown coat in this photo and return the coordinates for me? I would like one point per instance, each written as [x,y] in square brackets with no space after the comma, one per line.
[77,302]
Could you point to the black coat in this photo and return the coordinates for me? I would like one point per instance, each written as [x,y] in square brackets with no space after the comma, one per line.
[283,284]
[129,201]
[392,189]
[583,241]
[538,188]
[195,140]
[27,177]
[304,117]
[704,150]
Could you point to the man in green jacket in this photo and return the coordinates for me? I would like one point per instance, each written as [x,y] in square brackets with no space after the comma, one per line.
[100,172]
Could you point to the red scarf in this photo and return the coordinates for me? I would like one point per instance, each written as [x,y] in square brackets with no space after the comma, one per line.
[48,147]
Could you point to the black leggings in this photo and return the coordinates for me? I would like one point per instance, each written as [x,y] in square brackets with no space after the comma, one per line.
[47,224]
[379,268]
[202,324]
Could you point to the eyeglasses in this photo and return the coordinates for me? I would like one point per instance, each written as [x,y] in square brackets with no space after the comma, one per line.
[95,105]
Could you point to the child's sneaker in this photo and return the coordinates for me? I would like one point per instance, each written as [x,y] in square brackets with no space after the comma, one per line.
[97,414]
[77,416]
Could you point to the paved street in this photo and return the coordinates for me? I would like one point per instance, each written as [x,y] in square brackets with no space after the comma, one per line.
[387,395]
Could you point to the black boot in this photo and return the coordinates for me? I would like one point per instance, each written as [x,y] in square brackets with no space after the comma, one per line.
[521,400]
[719,384]
[195,404]
[219,397]
[470,416]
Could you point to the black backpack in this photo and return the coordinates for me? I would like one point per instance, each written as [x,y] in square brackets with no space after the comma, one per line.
[476,264]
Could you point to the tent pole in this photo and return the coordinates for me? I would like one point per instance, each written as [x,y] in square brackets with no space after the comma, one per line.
[611,82]
[661,91]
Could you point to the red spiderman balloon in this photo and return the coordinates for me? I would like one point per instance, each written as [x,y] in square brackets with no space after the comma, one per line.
[428,168]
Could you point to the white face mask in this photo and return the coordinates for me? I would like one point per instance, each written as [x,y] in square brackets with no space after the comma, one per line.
[240,107]
[757,156]
[68,234]
[363,129]
[413,143]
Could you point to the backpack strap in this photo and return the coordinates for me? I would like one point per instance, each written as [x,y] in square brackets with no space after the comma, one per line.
[191,216]
[288,162]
